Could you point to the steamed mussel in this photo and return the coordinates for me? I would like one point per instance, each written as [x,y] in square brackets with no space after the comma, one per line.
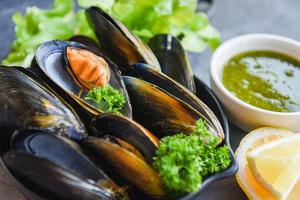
[121,46]
[173,60]
[73,69]
[61,158]
[26,103]
[49,181]
[144,72]
[129,164]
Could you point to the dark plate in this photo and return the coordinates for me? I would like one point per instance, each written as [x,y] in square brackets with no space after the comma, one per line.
[208,97]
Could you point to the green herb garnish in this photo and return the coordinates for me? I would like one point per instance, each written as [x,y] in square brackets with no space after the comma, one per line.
[183,160]
[107,98]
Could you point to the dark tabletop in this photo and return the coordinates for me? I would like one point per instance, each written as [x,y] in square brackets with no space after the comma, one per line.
[230,17]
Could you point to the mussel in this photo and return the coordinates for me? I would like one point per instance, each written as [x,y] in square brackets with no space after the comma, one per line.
[142,71]
[128,163]
[66,155]
[161,112]
[26,103]
[59,150]
[128,130]
[121,46]
[50,181]
[72,70]
[173,59]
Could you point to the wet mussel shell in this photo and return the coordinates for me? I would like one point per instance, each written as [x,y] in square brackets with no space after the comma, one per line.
[127,130]
[49,181]
[127,165]
[173,59]
[118,43]
[169,115]
[51,64]
[59,150]
[142,71]
[26,103]
[88,42]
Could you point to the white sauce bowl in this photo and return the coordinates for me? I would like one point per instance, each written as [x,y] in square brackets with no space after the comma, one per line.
[242,114]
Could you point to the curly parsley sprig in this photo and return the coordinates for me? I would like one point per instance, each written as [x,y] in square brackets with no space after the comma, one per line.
[183,160]
[107,98]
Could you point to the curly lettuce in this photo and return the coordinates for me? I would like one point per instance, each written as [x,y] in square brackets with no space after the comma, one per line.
[41,25]
[149,18]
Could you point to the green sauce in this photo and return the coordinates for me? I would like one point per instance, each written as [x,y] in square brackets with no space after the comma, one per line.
[264,79]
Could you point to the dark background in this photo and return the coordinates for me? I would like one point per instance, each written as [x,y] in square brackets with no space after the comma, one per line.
[230,17]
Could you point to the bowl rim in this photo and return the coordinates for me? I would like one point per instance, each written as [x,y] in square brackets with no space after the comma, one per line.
[228,172]
[214,70]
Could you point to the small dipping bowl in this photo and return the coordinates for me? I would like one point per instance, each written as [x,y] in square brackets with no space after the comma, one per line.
[244,115]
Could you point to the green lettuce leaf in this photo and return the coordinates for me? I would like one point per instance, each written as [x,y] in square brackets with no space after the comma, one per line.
[41,25]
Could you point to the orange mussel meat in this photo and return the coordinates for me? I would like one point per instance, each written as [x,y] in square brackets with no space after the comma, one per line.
[89,69]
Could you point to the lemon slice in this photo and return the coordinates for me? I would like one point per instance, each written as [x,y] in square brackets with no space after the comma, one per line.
[245,178]
[276,165]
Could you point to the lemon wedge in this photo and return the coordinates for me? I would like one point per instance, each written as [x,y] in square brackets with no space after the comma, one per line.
[245,178]
[276,165]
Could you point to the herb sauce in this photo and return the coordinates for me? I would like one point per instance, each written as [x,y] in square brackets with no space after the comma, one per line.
[264,79]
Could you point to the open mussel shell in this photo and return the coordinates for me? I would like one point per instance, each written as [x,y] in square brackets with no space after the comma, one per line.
[121,46]
[72,70]
[127,130]
[159,111]
[59,150]
[26,103]
[173,59]
[50,181]
[142,71]
[128,165]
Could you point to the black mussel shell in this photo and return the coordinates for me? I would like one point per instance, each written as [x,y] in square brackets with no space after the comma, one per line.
[127,165]
[159,111]
[52,64]
[123,144]
[26,103]
[166,83]
[61,151]
[50,181]
[173,59]
[88,42]
[128,130]
[121,46]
